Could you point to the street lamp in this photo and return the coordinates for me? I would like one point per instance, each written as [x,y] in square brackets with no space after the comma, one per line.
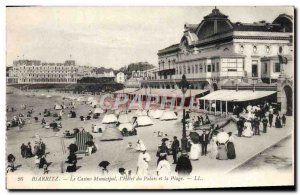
[184,87]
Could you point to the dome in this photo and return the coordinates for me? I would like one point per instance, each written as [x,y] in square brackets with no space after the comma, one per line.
[214,23]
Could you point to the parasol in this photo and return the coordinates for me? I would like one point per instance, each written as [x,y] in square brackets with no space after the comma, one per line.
[165,139]
[222,137]
[104,164]
[195,138]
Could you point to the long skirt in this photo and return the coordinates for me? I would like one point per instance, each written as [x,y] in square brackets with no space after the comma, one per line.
[230,151]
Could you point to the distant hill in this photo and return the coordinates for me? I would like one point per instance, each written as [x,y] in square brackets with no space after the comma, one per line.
[127,69]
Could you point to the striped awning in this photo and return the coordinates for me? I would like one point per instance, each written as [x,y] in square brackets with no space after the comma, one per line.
[237,96]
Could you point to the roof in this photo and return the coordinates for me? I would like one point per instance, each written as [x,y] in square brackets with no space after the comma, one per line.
[168,92]
[170,48]
[258,27]
[236,96]
[215,14]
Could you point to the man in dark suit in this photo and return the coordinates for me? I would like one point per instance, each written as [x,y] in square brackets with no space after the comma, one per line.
[270,119]
[175,149]
[204,139]
[265,124]
[240,125]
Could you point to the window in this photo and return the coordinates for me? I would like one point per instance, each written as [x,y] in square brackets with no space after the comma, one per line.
[213,67]
[209,68]
[189,70]
[266,68]
[254,68]
[201,68]
[277,67]
[217,67]
[196,68]
[192,69]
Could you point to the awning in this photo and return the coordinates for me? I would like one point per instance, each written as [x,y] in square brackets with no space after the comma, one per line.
[236,96]
[168,92]
[126,90]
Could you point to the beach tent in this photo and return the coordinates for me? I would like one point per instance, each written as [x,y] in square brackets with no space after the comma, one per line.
[98,111]
[158,114]
[144,121]
[124,118]
[111,133]
[168,115]
[90,99]
[94,103]
[109,118]
[57,107]
[81,138]
[151,113]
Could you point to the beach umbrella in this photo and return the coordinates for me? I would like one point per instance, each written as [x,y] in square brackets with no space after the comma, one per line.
[195,138]
[73,148]
[10,158]
[165,139]
[104,164]
[222,137]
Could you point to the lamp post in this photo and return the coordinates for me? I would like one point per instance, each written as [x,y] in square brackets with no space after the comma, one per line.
[184,87]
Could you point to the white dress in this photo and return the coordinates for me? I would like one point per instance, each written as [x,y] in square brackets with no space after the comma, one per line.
[248,130]
[213,148]
[195,151]
[143,164]
[164,168]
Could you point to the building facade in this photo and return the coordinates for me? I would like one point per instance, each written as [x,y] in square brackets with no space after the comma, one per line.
[217,53]
[35,71]
[120,78]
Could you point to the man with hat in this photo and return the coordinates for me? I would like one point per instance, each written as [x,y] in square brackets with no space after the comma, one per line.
[175,149]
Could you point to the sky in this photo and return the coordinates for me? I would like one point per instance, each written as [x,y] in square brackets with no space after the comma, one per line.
[108,36]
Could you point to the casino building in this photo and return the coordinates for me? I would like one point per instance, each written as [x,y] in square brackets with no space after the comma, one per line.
[219,54]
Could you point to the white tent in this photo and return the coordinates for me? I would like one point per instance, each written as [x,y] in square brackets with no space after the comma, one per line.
[168,115]
[151,113]
[90,99]
[158,114]
[98,111]
[80,99]
[57,107]
[109,118]
[111,133]
[124,118]
[94,103]
[144,121]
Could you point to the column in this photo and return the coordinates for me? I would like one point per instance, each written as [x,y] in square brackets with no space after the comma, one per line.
[215,107]
[226,108]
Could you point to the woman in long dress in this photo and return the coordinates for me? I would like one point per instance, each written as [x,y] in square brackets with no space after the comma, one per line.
[230,147]
[195,151]
[278,122]
[213,147]
[164,167]
[222,152]
[247,129]
[142,164]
